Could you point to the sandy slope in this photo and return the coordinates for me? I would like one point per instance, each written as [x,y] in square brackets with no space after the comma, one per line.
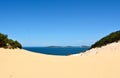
[97,63]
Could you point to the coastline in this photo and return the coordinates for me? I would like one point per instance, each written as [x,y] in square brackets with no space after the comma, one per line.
[101,62]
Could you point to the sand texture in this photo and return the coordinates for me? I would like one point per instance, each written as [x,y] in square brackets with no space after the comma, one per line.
[101,62]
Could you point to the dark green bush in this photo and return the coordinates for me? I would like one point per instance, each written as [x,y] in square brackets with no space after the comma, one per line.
[17,44]
[113,37]
[3,40]
[8,43]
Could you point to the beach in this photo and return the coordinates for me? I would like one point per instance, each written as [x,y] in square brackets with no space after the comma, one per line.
[101,62]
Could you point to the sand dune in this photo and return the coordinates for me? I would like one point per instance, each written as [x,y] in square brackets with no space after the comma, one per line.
[101,62]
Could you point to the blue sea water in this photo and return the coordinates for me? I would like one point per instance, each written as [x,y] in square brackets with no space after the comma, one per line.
[56,51]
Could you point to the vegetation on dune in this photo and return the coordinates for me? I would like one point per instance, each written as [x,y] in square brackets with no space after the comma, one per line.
[8,43]
[113,37]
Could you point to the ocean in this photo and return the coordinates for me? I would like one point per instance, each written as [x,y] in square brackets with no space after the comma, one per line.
[64,51]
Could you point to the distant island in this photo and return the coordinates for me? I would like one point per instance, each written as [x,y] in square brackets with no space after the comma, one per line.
[7,43]
[59,46]
[68,46]
[84,46]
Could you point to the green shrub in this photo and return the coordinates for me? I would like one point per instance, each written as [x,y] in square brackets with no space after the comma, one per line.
[8,43]
[113,37]
[3,40]
[17,44]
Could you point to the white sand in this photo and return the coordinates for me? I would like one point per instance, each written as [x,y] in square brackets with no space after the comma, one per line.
[97,63]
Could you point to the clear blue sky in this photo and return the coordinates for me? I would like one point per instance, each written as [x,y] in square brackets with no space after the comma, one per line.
[58,22]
